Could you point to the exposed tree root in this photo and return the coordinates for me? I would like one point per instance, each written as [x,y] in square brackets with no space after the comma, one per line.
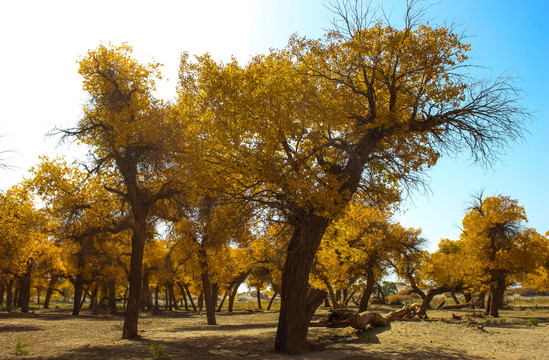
[362,321]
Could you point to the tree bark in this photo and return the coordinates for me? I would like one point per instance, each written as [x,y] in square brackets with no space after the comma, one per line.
[9,295]
[497,294]
[223,300]
[136,272]
[234,289]
[370,281]
[258,295]
[78,288]
[49,292]
[26,288]
[185,290]
[293,323]
[2,289]
[272,300]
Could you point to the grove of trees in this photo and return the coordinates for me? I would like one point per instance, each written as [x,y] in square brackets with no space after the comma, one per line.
[283,173]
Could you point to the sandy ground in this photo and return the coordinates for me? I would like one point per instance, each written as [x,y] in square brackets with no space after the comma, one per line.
[54,334]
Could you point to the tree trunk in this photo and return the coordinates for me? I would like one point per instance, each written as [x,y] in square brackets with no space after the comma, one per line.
[330,291]
[497,293]
[272,300]
[111,291]
[426,304]
[258,295]
[370,281]
[26,288]
[168,299]
[327,302]
[223,300]
[49,292]
[208,298]
[156,295]
[9,295]
[136,273]
[293,323]
[185,290]
[78,287]
[2,289]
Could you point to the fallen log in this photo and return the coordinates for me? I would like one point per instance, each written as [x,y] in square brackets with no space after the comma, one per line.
[362,321]
[456,306]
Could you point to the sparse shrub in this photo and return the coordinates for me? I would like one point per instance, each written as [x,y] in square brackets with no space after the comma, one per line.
[21,347]
[157,352]
[533,321]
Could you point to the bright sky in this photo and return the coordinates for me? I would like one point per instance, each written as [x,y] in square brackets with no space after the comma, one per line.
[40,88]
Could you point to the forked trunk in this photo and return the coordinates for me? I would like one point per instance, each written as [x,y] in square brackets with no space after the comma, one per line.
[295,311]
[131,316]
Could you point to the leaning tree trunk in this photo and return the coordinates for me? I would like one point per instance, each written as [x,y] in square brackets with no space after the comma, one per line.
[272,300]
[49,292]
[131,316]
[370,282]
[291,335]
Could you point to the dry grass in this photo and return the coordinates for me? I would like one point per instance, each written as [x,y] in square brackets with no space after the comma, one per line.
[54,334]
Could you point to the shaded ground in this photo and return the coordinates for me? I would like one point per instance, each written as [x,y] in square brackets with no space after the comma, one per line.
[54,334]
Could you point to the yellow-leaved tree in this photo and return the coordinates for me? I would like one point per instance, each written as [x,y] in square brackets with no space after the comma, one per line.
[366,108]
[135,139]
[495,237]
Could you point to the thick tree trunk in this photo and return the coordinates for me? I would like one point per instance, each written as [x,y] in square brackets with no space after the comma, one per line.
[26,288]
[2,289]
[370,281]
[293,323]
[272,300]
[497,293]
[327,302]
[78,289]
[208,298]
[136,273]
[426,304]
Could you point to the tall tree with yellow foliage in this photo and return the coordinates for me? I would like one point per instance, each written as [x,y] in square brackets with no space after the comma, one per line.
[134,138]
[366,110]
[495,237]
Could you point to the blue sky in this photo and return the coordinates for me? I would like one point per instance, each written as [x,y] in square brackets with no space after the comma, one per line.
[40,87]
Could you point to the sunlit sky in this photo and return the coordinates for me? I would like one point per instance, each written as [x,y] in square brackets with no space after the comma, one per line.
[40,42]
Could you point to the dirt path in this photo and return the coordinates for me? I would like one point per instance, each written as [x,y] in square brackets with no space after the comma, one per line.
[54,334]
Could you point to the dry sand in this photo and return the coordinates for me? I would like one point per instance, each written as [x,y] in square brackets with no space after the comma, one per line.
[54,334]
